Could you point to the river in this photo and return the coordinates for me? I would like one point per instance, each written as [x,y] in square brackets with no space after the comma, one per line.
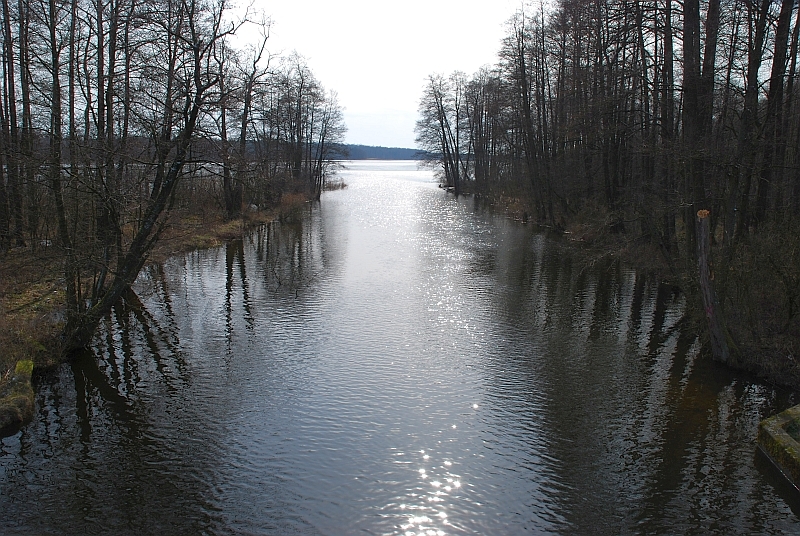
[395,361]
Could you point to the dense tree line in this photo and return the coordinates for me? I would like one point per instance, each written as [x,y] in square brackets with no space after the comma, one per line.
[650,111]
[115,111]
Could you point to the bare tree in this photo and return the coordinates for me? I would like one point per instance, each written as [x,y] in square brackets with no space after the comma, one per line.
[202,32]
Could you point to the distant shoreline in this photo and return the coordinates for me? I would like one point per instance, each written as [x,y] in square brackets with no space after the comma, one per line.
[369,152]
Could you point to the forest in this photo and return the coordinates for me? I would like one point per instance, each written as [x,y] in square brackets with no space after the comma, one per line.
[122,120]
[369,152]
[673,126]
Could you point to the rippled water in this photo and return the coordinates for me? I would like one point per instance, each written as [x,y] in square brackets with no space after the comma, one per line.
[395,361]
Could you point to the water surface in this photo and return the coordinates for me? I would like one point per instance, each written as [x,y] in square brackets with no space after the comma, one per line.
[395,361]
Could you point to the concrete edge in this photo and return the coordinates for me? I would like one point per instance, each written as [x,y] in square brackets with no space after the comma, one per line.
[780,447]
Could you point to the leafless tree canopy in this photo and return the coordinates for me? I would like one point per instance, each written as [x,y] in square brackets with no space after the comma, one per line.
[651,111]
[115,111]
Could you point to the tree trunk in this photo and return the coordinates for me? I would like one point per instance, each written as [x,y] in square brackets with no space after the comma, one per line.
[714,316]
[668,127]
[773,133]
[27,164]
[13,145]
[742,181]
[692,122]
[56,136]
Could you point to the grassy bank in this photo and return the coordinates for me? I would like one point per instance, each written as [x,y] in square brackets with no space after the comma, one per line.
[32,284]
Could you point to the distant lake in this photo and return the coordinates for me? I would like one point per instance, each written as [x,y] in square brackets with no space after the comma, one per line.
[395,361]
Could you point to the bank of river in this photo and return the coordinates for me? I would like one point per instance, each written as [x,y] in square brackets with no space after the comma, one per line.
[395,361]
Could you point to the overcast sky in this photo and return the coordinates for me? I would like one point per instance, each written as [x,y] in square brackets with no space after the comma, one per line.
[376,55]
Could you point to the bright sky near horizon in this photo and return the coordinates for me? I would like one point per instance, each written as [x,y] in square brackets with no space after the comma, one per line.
[377,55]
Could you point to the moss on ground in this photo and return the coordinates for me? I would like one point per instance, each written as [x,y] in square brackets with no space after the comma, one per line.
[16,399]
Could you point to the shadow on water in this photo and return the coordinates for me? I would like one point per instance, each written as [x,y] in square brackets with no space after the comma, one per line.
[93,461]
[116,446]
[644,433]
[234,255]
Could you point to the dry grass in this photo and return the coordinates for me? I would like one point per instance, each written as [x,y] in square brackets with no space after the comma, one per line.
[31,301]
[516,207]
[291,201]
[189,231]
[334,185]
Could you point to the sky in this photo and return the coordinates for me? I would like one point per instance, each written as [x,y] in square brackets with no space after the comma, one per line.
[377,55]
